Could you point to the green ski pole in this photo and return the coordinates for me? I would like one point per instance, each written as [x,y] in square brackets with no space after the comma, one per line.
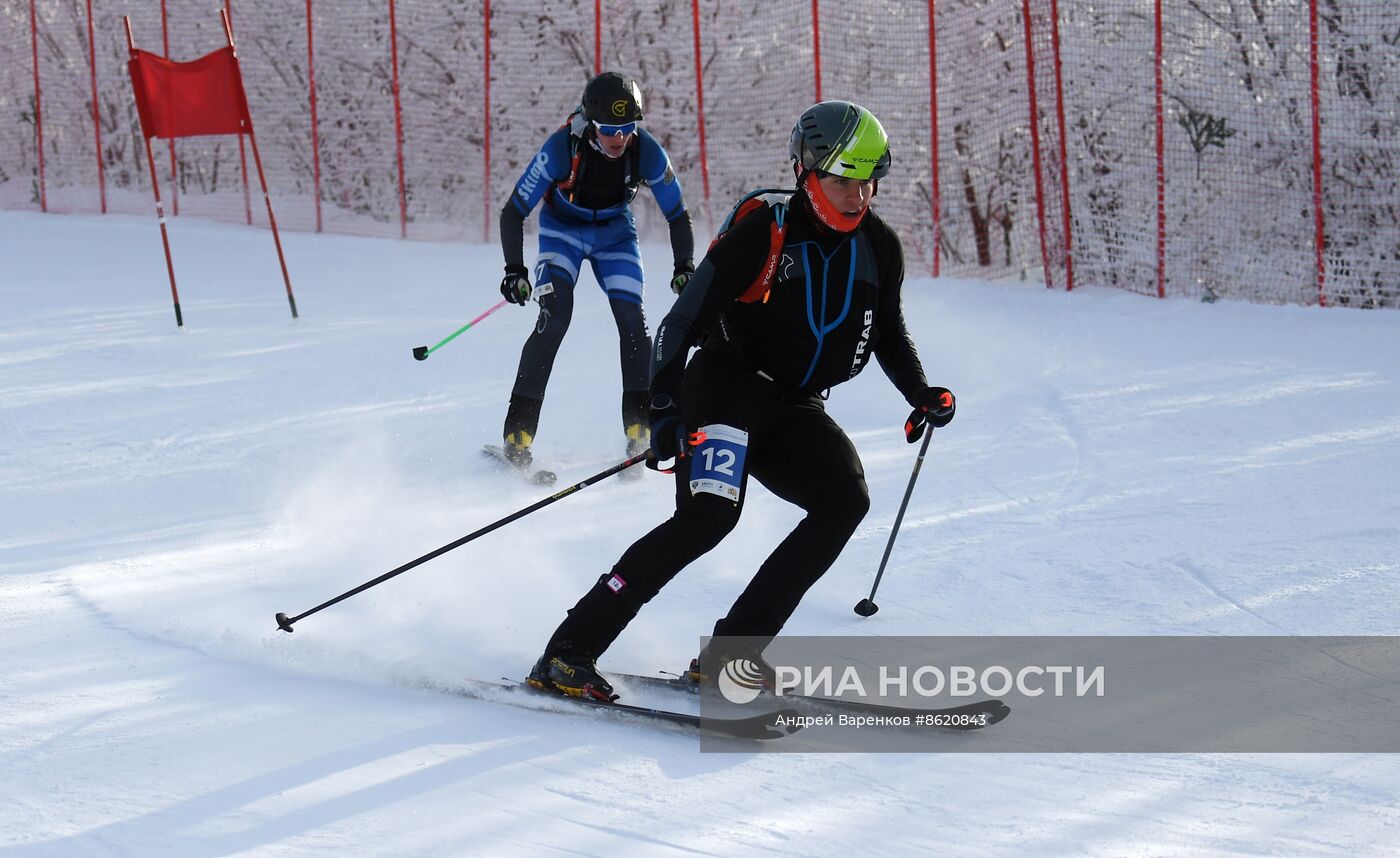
[422,352]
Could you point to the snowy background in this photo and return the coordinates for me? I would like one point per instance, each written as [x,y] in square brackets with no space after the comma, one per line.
[1119,465]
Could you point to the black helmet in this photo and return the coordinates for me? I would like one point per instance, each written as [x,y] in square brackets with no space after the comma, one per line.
[611,98]
[841,138]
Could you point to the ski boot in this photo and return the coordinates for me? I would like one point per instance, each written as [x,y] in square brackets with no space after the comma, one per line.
[517,449]
[522,418]
[745,666]
[638,440]
[571,674]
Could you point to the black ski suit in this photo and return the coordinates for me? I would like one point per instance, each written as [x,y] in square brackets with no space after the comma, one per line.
[763,368]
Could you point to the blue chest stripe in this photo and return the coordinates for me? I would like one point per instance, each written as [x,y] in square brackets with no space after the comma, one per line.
[820,331]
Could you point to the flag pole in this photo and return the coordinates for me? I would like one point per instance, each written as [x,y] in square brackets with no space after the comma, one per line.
[155,189]
[257,160]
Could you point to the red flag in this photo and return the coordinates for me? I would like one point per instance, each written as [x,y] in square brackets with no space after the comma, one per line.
[204,96]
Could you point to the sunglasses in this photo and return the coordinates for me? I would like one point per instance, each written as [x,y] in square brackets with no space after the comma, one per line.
[624,129]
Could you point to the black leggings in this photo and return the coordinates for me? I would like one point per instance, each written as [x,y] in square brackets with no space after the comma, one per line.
[797,452]
[556,311]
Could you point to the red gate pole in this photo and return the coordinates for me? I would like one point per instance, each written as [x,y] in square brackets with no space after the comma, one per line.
[96,111]
[1064,151]
[155,189]
[262,178]
[1035,143]
[227,13]
[486,134]
[817,46]
[1319,236]
[174,177]
[315,134]
[597,37]
[38,104]
[700,112]
[1161,161]
[933,124]
[247,198]
[398,119]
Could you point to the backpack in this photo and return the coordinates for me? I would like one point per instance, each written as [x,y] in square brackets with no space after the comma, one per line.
[777,199]
[577,125]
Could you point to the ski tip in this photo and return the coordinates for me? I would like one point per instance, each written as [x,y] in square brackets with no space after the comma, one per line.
[420,352]
[996,714]
[539,477]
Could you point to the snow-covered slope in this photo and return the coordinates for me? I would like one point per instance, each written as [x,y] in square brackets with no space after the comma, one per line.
[1118,466]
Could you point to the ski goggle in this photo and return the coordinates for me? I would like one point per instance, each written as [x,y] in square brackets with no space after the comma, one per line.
[624,129]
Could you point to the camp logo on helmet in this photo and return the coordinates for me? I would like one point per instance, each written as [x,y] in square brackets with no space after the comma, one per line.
[842,138]
[619,107]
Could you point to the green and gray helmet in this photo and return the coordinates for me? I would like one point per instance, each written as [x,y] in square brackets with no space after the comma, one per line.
[840,138]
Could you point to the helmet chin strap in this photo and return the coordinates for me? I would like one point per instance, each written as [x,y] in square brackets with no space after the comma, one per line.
[825,211]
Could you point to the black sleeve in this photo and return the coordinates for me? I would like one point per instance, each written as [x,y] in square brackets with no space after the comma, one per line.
[682,240]
[722,276]
[895,348]
[513,233]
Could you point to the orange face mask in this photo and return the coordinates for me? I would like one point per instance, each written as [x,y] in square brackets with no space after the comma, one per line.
[825,211]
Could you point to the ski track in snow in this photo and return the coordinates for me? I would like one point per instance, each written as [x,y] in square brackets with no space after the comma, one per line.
[1118,466]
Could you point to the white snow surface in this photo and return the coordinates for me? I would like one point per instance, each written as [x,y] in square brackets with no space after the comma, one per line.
[1118,465]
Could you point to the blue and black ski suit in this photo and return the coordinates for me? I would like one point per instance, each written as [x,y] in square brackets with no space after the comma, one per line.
[587,215]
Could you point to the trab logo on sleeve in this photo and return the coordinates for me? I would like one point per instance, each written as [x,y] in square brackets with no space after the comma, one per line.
[717,465]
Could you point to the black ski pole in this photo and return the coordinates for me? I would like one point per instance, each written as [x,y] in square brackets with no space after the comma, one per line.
[285,623]
[866,607]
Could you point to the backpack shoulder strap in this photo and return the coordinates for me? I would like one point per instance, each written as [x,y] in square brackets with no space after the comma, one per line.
[762,286]
[634,163]
[576,131]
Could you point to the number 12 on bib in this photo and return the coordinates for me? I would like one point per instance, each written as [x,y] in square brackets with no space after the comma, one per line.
[717,463]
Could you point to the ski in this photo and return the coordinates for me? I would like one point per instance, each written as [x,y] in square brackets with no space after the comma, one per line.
[531,474]
[967,716]
[771,725]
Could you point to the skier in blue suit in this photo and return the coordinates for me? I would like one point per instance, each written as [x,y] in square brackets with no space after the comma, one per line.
[587,173]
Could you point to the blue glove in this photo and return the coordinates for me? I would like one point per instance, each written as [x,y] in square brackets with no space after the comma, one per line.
[515,286]
[667,433]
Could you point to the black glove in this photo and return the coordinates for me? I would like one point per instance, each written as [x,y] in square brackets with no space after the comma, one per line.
[515,286]
[938,403]
[934,405]
[681,277]
[667,433]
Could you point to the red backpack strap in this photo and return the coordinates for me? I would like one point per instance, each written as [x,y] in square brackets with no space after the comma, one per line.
[568,184]
[763,284]
[577,127]
[750,203]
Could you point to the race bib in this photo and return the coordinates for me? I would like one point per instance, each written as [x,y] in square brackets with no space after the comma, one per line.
[717,464]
